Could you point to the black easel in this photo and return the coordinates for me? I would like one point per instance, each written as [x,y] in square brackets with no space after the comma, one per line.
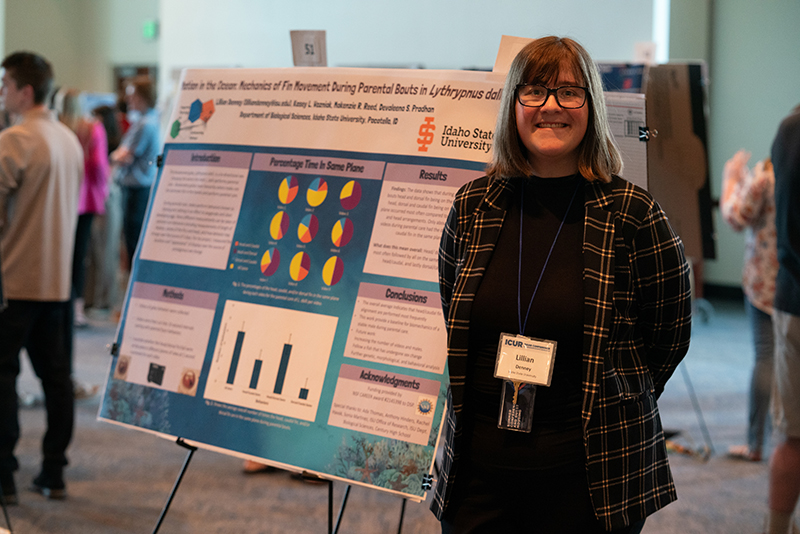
[331,528]
[330,505]
[402,514]
[177,481]
[709,448]
[341,509]
[344,503]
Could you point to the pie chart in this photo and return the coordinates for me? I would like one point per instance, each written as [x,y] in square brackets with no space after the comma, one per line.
[308,228]
[317,192]
[279,225]
[288,190]
[342,232]
[270,261]
[332,271]
[350,195]
[299,267]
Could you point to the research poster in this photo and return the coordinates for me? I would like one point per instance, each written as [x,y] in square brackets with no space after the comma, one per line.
[283,302]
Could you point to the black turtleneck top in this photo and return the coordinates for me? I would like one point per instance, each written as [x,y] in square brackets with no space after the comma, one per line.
[556,314]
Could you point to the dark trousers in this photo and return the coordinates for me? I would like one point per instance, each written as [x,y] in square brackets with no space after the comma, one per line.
[550,501]
[82,235]
[134,208]
[44,329]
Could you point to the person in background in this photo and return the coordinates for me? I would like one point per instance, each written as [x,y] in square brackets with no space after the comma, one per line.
[748,202]
[135,160]
[41,167]
[108,117]
[784,475]
[553,247]
[121,111]
[104,250]
[94,188]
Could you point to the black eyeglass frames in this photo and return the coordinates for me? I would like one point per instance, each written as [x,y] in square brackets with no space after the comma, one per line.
[567,96]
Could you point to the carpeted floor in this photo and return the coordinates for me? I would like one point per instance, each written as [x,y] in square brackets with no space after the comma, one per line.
[119,479]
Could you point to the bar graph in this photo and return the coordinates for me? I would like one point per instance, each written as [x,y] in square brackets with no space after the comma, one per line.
[256,373]
[237,352]
[270,359]
[287,352]
[303,392]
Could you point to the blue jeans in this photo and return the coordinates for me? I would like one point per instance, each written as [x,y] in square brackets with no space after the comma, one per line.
[45,330]
[761,381]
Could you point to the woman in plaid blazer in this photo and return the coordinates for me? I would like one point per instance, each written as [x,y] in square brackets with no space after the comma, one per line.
[553,244]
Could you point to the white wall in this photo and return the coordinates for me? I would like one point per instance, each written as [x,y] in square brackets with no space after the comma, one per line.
[754,81]
[49,28]
[125,20]
[83,39]
[431,33]
[751,48]
[690,30]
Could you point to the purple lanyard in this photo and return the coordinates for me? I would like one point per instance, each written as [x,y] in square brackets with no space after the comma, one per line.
[519,275]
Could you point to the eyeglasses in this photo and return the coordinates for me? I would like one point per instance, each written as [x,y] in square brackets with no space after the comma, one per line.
[568,96]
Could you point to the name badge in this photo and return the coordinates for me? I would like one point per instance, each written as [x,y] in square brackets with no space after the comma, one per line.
[525,359]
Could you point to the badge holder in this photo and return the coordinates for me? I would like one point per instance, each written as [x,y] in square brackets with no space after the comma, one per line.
[523,363]
[516,406]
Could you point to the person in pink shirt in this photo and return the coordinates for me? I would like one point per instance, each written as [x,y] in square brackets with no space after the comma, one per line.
[94,188]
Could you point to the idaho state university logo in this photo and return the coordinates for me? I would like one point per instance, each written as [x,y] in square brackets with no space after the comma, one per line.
[426,134]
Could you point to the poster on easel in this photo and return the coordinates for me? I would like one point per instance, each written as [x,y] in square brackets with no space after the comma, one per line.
[283,303]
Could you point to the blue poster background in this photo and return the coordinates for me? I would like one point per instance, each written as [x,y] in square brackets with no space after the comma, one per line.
[315,446]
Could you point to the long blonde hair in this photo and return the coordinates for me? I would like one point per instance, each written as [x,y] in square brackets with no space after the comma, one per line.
[68,107]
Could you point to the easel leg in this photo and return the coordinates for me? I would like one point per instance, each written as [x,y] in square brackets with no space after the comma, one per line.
[698,411]
[341,510]
[177,481]
[330,506]
[402,514]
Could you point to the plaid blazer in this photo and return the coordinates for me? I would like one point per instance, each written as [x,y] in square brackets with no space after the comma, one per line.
[637,324]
